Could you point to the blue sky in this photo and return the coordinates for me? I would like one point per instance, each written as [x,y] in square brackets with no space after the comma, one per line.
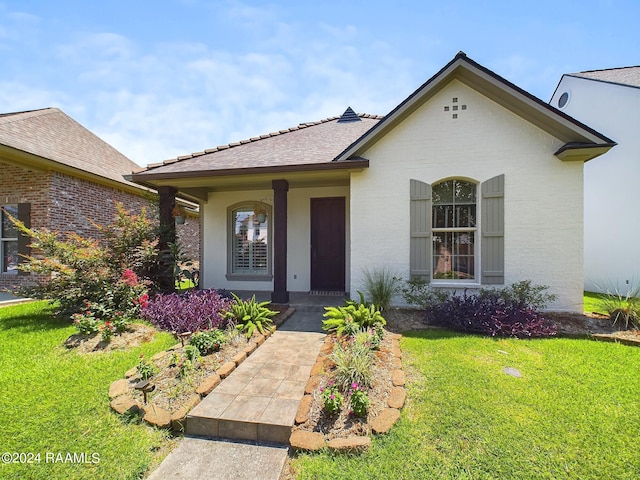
[163,78]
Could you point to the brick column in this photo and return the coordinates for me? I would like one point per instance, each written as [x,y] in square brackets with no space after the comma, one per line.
[280,293]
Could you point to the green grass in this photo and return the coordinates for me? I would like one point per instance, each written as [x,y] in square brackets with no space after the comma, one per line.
[593,303]
[573,414]
[55,400]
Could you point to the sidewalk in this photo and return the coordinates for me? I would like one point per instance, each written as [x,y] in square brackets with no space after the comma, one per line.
[255,405]
[7,299]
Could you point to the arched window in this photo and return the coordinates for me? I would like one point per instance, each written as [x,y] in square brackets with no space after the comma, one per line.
[250,239]
[445,229]
[454,230]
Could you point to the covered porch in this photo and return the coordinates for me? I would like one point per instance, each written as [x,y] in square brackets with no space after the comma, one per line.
[300,300]
[275,209]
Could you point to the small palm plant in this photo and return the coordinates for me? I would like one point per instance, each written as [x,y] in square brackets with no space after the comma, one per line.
[352,317]
[250,315]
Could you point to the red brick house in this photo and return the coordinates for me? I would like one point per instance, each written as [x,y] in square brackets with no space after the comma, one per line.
[57,174]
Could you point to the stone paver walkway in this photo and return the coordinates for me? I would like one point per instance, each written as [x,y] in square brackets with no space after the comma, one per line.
[259,400]
[251,413]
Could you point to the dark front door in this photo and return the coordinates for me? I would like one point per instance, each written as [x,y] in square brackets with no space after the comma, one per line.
[328,243]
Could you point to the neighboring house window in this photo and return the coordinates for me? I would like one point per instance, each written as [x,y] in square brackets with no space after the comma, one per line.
[454,230]
[457,235]
[9,240]
[250,252]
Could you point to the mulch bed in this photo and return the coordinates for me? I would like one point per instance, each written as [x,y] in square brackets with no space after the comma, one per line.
[135,335]
[342,424]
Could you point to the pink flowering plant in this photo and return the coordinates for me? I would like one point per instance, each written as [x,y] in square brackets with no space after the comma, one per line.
[359,400]
[108,271]
[86,322]
[332,399]
[107,330]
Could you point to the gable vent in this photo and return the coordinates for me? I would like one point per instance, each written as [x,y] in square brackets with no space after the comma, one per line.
[349,116]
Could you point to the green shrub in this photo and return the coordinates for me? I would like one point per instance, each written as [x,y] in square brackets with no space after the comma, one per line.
[358,400]
[107,331]
[380,285]
[145,368]
[185,368]
[523,293]
[332,399]
[623,308]
[353,364]
[86,323]
[344,320]
[420,293]
[191,353]
[100,272]
[361,301]
[208,341]
[370,337]
[250,315]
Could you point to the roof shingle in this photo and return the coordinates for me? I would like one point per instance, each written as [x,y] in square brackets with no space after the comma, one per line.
[624,75]
[51,134]
[307,143]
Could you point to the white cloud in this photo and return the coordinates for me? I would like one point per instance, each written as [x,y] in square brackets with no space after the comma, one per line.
[170,98]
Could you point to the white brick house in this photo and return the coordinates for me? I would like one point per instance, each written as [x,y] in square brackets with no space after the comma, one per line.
[470,181]
[609,100]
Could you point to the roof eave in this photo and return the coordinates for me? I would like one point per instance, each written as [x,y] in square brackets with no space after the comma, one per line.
[143,178]
[29,160]
[492,85]
[572,152]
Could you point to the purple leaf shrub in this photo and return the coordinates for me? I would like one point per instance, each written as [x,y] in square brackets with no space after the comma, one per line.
[187,312]
[490,314]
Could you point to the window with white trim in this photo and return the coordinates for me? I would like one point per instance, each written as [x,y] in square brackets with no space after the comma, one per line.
[8,240]
[249,249]
[454,230]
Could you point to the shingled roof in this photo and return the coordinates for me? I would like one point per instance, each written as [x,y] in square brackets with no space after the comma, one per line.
[629,76]
[306,144]
[52,135]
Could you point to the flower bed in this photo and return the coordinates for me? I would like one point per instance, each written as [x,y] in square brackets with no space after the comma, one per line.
[317,427]
[177,386]
[177,389]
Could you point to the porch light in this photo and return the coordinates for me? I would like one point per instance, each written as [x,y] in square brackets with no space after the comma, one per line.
[260,212]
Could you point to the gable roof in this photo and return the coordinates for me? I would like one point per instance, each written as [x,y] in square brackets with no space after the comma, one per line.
[581,141]
[52,139]
[305,147]
[627,76]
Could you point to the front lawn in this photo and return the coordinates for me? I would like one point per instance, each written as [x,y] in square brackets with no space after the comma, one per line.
[572,414]
[593,303]
[54,401]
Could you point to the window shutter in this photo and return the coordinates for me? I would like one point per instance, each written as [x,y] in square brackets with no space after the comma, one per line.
[24,215]
[420,227]
[492,226]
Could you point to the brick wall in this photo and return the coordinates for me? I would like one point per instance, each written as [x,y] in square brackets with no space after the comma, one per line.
[74,202]
[20,185]
[189,237]
[65,203]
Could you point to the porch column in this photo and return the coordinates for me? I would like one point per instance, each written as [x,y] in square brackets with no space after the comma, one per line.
[280,293]
[167,234]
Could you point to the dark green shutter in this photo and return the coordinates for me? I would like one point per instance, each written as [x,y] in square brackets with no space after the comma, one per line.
[420,227]
[24,215]
[492,229]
